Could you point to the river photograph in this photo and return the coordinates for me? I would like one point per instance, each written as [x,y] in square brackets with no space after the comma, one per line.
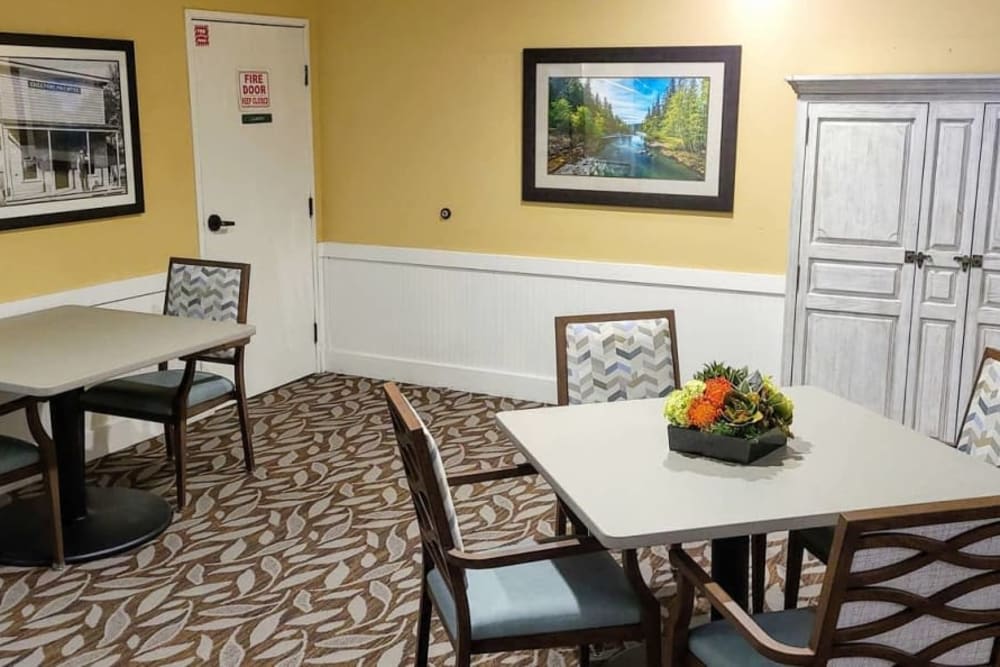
[628,127]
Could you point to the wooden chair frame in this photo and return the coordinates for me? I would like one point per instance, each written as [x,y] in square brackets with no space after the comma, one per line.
[827,642]
[174,425]
[440,552]
[798,544]
[46,467]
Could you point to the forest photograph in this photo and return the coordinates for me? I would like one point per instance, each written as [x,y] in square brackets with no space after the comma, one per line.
[628,127]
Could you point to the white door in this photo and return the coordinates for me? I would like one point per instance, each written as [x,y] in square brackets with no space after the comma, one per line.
[253,146]
[982,325]
[860,206]
[954,139]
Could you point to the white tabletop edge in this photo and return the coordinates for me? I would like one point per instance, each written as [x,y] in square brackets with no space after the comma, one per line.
[236,332]
[737,526]
[672,537]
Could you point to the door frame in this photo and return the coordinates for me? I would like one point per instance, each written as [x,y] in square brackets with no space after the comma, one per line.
[192,15]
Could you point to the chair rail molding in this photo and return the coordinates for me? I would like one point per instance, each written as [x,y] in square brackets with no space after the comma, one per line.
[484,322]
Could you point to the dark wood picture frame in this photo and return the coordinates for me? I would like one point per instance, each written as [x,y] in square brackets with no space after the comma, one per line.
[729,56]
[133,193]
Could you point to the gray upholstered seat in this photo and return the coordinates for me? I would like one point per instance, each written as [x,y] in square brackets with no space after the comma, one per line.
[153,393]
[16,454]
[572,593]
[719,644]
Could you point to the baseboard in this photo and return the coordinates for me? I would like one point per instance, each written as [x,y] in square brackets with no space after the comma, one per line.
[484,323]
[463,378]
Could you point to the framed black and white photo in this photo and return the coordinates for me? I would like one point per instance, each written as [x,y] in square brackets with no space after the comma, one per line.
[69,130]
[637,126]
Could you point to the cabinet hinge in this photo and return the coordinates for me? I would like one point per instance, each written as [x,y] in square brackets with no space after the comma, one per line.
[315,332]
[306,67]
[310,207]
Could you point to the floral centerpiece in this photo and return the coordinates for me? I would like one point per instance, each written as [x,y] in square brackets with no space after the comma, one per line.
[728,413]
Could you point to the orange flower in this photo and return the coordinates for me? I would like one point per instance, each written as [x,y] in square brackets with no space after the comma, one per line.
[716,390]
[702,413]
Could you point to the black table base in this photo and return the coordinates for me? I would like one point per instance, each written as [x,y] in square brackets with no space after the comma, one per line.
[118,519]
[731,569]
[97,522]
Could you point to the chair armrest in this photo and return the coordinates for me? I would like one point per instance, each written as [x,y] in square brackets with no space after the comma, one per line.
[197,356]
[19,403]
[506,472]
[523,554]
[762,642]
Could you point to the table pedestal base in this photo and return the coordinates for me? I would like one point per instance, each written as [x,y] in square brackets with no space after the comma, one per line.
[118,519]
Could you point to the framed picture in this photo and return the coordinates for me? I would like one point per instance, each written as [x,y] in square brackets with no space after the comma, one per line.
[69,130]
[650,127]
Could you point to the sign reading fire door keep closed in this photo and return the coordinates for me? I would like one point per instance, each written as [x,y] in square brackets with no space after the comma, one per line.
[255,91]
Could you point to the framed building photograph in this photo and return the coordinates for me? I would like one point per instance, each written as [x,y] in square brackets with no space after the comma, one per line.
[69,130]
[643,126]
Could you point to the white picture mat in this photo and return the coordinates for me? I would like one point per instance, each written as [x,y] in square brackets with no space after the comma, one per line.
[714,71]
[81,203]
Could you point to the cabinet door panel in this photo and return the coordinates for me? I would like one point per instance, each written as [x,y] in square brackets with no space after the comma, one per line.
[948,204]
[860,207]
[982,320]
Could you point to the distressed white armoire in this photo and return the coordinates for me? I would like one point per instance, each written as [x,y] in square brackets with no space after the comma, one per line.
[894,257]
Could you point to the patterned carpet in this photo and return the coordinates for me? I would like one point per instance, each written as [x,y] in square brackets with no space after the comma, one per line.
[314,559]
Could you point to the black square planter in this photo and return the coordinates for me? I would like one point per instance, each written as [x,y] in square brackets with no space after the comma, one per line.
[724,447]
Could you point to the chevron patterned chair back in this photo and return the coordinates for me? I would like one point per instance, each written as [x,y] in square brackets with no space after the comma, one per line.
[980,434]
[616,356]
[208,290]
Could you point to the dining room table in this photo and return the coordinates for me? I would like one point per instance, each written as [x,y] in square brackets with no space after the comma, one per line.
[611,464]
[54,355]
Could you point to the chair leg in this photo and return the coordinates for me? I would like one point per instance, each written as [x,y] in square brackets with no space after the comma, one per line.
[50,479]
[758,571]
[653,637]
[168,442]
[463,655]
[423,623]
[178,435]
[560,526]
[241,409]
[793,570]
[584,655]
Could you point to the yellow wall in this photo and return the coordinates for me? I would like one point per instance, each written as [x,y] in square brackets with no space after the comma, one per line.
[422,109]
[60,257]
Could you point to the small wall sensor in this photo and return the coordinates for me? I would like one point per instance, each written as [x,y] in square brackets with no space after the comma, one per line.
[445,213]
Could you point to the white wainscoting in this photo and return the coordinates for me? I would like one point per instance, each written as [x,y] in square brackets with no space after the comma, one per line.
[483,323]
[144,294]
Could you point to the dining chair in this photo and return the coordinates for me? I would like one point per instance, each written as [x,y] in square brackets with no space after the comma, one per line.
[20,460]
[915,585]
[568,592]
[979,437]
[604,357]
[203,289]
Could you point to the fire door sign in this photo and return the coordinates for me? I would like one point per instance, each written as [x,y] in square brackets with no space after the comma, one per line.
[255,91]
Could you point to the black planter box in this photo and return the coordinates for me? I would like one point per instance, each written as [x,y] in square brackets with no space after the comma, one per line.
[723,447]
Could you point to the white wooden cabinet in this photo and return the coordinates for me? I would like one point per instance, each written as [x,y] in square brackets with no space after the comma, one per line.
[894,260]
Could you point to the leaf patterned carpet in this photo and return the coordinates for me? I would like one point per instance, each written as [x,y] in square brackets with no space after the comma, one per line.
[313,559]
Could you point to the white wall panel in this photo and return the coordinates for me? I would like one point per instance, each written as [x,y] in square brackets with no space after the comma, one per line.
[485,322]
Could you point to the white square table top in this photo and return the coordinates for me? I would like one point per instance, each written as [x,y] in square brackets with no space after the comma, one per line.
[610,463]
[48,352]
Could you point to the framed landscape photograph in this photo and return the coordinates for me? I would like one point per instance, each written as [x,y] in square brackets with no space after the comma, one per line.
[650,127]
[69,130]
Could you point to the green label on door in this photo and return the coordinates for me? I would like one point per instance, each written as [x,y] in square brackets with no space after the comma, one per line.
[256,118]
